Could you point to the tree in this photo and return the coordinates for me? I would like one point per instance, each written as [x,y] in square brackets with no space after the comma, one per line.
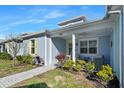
[14,46]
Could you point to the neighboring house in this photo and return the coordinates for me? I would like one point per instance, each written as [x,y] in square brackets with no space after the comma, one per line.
[99,40]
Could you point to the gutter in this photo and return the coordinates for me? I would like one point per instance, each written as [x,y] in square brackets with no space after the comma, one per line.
[121,43]
[34,34]
[28,36]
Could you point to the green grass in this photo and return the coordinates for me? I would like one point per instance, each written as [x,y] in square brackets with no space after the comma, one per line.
[7,68]
[56,78]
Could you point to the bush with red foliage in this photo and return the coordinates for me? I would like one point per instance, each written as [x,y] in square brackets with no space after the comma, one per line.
[61,57]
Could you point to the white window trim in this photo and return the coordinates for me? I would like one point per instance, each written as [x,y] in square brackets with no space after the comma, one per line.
[87,39]
[31,46]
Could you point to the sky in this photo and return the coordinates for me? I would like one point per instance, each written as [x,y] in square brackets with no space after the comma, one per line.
[21,19]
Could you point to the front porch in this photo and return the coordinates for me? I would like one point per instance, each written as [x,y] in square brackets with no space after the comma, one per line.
[88,45]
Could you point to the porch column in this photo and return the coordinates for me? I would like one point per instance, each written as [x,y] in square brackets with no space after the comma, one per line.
[73,47]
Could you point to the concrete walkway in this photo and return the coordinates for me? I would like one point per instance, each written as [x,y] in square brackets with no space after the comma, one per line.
[13,79]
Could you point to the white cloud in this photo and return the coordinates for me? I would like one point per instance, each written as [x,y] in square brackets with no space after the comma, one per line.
[29,21]
[36,11]
[4,28]
[16,23]
[32,18]
[54,14]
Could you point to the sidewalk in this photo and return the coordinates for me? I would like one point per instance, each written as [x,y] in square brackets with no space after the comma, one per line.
[13,79]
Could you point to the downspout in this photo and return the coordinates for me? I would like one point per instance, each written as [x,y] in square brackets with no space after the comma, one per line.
[121,37]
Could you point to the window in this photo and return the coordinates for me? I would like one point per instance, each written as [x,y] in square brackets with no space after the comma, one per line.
[70,48]
[92,47]
[83,47]
[32,46]
[88,46]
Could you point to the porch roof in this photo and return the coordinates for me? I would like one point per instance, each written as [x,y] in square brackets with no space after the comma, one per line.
[78,25]
[87,34]
[99,27]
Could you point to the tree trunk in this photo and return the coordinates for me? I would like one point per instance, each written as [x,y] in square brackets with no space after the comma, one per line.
[14,60]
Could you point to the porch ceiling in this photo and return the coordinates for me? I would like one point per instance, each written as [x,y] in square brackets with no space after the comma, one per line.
[103,32]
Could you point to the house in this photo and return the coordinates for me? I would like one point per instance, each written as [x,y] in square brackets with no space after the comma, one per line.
[100,40]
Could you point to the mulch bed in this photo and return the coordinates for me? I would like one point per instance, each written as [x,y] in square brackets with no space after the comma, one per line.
[93,79]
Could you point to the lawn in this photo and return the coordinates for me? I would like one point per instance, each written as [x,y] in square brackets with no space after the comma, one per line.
[57,78]
[7,68]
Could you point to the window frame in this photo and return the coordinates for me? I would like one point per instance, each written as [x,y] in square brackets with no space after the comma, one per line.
[33,46]
[89,39]
[83,47]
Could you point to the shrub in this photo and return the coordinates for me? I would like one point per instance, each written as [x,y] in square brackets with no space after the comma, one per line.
[25,59]
[90,67]
[28,59]
[5,56]
[32,62]
[77,67]
[105,73]
[60,57]
[81,62]
[68,65]
[19,58]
